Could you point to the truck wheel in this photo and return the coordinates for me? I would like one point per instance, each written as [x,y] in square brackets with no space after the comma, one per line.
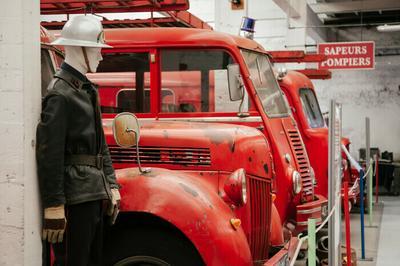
[149,247]
[141,260]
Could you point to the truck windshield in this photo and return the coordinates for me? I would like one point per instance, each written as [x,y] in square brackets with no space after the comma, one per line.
[265,83]
[311,108]
[199,80]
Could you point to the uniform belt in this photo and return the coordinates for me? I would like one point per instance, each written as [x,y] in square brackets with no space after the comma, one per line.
[84,159]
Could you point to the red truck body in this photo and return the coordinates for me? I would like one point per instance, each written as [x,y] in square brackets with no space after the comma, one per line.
[202,142]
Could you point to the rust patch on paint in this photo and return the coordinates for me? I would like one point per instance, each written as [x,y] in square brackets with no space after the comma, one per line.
[189,190]
[266,168]
[218,136]
[233,147]
[250,159]
[150,174]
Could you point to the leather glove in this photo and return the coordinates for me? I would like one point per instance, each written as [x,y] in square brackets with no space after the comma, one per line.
[54,224]
[113,208]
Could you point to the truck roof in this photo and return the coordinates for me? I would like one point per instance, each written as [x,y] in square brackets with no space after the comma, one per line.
[176,37]
[295,80]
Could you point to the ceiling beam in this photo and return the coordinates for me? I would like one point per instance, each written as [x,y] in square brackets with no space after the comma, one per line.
[288,7]
[300,14]
[355,6]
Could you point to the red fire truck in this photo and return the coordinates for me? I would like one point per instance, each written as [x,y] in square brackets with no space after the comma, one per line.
[206,132]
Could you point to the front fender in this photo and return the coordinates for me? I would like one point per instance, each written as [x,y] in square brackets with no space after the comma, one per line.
[277,238]
[192,206]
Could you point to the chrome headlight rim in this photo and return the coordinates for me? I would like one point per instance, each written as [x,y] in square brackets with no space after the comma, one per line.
[297,184]
[235,188]
[244,188]
[313,177]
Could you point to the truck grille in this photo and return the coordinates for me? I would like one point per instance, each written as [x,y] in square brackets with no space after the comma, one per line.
[302,163]
[162,155]
[260,200]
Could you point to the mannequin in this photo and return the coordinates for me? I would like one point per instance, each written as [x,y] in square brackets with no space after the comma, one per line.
[74,56]
[77,181]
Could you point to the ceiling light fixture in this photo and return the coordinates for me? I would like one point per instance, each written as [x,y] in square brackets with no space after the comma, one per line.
[388,28]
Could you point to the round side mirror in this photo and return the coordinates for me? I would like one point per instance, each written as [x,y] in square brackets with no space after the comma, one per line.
[126,130]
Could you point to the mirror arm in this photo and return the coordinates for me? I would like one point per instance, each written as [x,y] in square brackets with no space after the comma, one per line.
[142,170]
[242,88]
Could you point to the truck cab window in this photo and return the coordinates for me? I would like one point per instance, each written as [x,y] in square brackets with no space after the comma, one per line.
[311,108]
[124,82]
[199,81]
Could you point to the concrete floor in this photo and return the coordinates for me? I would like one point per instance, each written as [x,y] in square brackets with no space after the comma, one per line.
[383,238]
[389,239]
[371,235]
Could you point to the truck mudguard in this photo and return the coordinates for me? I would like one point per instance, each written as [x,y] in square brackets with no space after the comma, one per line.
[192,206]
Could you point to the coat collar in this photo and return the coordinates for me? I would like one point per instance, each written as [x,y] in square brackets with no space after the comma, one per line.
[72,76]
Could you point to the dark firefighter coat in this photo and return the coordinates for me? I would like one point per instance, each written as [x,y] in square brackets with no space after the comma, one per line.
[68,132]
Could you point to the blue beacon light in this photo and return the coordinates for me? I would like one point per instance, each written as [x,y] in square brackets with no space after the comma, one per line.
[248,25]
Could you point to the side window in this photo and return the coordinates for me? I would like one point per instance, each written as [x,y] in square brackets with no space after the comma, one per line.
[124,82]
[311,108]
[197,81]
[47,70]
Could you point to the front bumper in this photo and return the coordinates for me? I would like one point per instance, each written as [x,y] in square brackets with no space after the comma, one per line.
[317,209]
[285,255]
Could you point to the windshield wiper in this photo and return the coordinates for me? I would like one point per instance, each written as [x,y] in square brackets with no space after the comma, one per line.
[258,69]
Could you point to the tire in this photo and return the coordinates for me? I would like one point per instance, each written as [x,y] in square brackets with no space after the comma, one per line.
[145,246]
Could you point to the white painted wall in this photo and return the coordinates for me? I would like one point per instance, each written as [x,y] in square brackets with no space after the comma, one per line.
[19,111]
[373,93]
[271,25]
[204,9]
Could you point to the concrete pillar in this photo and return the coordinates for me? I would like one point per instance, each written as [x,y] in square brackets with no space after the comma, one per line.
[19,113]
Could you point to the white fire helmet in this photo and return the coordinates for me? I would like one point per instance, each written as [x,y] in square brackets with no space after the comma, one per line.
[83,31]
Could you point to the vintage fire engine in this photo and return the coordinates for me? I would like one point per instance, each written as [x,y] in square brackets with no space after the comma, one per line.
[212,112]
[300,93]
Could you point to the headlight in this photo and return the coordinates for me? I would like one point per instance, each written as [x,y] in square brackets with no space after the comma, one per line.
[235,187]
[297,185]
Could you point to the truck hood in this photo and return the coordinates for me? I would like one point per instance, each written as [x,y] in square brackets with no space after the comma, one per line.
[200,146]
